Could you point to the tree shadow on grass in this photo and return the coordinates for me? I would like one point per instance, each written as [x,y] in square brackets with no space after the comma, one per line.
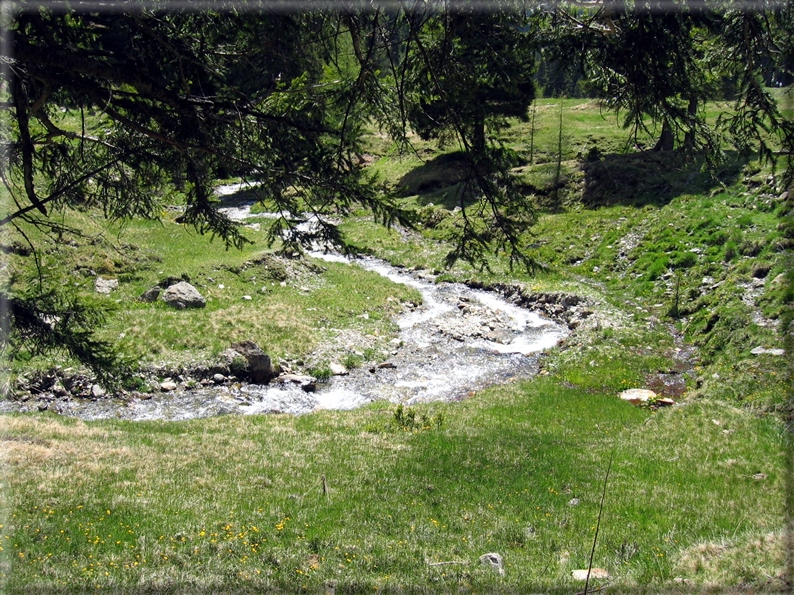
[641,179]
[437,181]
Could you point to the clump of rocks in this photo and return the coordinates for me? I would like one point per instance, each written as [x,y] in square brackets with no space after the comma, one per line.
[566,308]
[241,362]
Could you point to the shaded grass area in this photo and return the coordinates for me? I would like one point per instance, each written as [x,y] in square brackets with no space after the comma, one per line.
[239,502]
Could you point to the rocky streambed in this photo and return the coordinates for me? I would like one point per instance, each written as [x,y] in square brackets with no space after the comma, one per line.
[459,340]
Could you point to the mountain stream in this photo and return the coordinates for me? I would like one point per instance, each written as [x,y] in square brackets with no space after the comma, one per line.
[458,341]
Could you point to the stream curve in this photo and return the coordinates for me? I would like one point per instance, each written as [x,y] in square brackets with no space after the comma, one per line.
[458,341]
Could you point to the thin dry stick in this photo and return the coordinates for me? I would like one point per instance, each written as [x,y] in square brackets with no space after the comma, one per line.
[598,524]
[326,491]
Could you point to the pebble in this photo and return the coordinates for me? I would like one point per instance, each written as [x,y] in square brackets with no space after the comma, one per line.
[168,385]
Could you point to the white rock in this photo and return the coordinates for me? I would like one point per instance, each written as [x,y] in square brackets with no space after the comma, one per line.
[102,285]
[247,297]
[97,391]
[597,573]
[167,385]
[337,369]
[636,396]
[493,560]
[762,350]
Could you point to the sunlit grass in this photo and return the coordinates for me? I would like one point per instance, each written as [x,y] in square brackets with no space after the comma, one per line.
[239,501]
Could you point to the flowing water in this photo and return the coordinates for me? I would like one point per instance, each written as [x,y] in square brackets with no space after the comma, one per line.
[456,342]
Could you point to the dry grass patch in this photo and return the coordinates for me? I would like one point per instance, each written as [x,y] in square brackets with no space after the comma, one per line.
[753,561]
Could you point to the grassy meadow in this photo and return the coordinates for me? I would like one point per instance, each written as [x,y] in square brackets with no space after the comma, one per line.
[669,257]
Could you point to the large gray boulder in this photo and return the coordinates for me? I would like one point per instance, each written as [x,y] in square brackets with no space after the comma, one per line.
[259,368]
[183,295]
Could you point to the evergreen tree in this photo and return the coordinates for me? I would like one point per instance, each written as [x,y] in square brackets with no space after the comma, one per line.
[471,70]
[175,99]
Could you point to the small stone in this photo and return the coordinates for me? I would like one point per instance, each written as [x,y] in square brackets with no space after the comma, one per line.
[247,297]
[59,390]
[307,383]
[219,378]
[635,396]
[759,476]
[764,351]
[168,385]
[102,285]
[493,560]
[338,369]
[387,365]
[573,502]
[150,295]
[665,402]
[97,391]
[594,573]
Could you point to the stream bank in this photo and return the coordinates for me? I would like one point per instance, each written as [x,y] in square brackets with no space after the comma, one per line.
[459,340]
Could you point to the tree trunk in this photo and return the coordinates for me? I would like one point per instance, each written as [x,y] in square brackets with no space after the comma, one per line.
[691,110]
[667,139]
[478,135]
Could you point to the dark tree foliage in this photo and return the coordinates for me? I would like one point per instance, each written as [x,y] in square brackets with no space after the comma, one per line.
[47,321]
[467,71]
[471,70]
[645,61]
[656,63]
[175,98]
[181,97]
[185,95]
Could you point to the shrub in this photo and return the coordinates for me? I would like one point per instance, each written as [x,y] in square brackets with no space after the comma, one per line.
[657,268]
[684,260]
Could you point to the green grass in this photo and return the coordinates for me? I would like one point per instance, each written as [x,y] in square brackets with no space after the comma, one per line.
[663,251]
[237,502]
[287,320]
